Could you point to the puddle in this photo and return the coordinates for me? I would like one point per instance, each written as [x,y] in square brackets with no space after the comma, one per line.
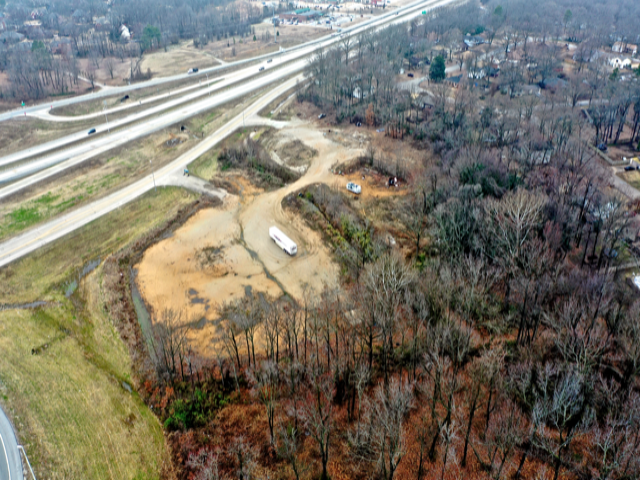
[72,286]
[23,306]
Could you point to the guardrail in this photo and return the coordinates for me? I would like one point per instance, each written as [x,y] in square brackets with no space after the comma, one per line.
[21,448]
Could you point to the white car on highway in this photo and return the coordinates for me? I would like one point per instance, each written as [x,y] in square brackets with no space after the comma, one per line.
[354,188]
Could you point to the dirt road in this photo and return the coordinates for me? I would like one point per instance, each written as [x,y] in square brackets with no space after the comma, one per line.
[221,254]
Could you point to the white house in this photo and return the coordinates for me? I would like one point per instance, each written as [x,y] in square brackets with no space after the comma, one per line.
[620,47]
[620,62]
[125,34]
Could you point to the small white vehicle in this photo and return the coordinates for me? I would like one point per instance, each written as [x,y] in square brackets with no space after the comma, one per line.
[284,242]
[354,188]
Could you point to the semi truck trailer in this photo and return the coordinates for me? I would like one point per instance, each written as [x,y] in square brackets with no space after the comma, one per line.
[284,242]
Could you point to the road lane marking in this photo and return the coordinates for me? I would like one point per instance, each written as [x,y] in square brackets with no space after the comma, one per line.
[6,457]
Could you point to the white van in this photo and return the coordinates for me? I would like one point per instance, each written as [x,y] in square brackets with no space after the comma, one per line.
[354,188]
[284,242]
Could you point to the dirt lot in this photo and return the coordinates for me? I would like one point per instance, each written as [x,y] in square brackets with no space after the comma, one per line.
[220,254]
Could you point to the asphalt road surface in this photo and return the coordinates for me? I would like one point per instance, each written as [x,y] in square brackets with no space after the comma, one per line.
[10,462]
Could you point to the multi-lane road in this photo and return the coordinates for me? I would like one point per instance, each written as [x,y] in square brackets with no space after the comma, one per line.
[68,153]
[10,463]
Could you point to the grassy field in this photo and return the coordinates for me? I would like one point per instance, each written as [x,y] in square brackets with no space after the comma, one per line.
[22,133]
[67,400]
[632,178]
[106,173]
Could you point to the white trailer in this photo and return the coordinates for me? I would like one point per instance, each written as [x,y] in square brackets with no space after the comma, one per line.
[284,242]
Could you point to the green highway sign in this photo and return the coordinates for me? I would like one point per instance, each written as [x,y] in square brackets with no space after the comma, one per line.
[424,12]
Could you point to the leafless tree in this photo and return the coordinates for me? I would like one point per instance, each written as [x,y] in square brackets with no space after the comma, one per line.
[382,440]
[316,414]
[288,446]
[266,387]
[205,465]
[244,456]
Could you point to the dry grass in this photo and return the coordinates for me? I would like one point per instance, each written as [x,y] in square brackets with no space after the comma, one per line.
[290,35]
[178,59]
[71,411]
[41,275]
[25,132]
[632,178]
[105,173]
[68,402]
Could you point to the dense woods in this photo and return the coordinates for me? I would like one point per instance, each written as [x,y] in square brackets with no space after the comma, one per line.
[501,341]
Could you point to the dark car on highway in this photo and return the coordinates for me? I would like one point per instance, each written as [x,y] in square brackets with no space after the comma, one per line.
[92,131]
[261,69]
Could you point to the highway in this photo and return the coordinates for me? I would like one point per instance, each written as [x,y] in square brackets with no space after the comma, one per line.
[282,64]
[111,91]
[33,239]
[54,229]
[10,462]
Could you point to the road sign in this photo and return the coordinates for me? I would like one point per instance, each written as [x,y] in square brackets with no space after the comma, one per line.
[23,104]
[424,12]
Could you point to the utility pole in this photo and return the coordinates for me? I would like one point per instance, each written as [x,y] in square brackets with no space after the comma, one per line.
[153,175]
[104,110]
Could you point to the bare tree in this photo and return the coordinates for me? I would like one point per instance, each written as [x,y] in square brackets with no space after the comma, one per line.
[205,465]
[266,386]
[244,457]
[316,414]
[382,440]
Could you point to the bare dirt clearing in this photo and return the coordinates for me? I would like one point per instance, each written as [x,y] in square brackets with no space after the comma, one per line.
[220,254]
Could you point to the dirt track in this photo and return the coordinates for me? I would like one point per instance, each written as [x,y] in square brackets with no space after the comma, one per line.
[219,254]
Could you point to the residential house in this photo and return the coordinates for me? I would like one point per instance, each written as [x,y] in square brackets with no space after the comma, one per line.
[11,37]
[301,15]
[125,34]
[623,47]
[38,12]
[472,41]
[620,62]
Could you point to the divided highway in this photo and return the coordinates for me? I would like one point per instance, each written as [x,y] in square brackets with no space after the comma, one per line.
[302,53]
[41,235]
[111,91]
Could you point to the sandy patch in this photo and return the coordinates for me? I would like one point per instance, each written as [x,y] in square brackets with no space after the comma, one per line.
[221,254]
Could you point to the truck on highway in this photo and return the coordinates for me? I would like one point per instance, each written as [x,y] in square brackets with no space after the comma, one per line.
[284,242]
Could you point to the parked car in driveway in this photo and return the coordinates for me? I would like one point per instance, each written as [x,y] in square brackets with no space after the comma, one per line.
[629,168]
[602,147]
[410,75]
[354,188]
[92,131]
